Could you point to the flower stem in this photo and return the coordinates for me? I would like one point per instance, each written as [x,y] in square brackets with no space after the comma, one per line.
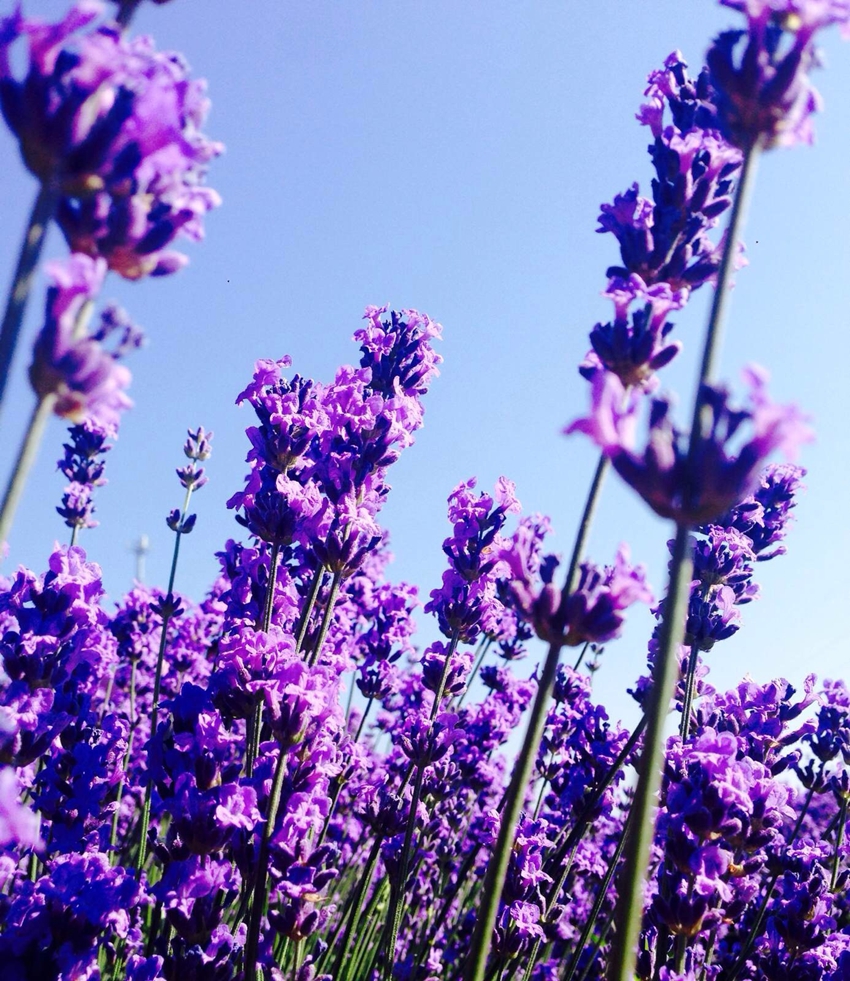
[318,579]
[26,458]
[497,867]
[665,674]
[720,302]
[42,212]
[157,684]
[259,899]
[396,907]
[113,837]
[839,841]
[599,901]
[255,723]
[688,700]
[630,906]
[326,620]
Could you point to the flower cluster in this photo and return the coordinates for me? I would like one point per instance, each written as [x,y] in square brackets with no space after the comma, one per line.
[113,127]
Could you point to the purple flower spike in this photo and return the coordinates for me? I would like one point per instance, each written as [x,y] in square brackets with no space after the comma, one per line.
[68,362]
[634,346]
[665,240]
[724,470]
[115,127]
[760,74]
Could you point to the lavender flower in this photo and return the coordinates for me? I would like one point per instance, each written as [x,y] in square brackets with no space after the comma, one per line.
[115,127]
[85,471]
[674,487]
[763,94]
[665,240]
[70,364]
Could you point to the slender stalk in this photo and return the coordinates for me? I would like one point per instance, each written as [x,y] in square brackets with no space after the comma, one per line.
[623,954]
[26,458]
[599,901]
[255,723]
[688,700]
[720,302]
[318,579]
[362,718]
[42,212]
[258,901]
[665,674]
[326,619]
[476,964]
[396,908]
[357,902]
[113,837]
[157,684]
[483,648]
[603,936]
[839,841]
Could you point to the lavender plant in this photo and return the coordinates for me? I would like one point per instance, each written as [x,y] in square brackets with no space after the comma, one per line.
[277,781]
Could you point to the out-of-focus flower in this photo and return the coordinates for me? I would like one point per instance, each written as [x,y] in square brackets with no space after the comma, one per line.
[73,364]
[725,468]
[760,75]
[114,126]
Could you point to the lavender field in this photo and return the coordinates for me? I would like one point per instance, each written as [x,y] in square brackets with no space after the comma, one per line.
[307,751]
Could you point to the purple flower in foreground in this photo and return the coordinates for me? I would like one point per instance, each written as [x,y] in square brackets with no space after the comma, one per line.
[764,96]
[115,127]
[593,612]
[724,470]
[70,363]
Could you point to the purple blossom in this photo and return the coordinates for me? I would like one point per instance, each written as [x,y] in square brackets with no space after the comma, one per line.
[634,346]
[665,240]
[70,364]
[760,74]
[115,127]
[724,469]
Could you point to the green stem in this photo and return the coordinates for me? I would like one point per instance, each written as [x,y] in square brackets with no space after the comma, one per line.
[839,841]
[258,901]
[157,684]
[255,723]
[113,837]
[326,619]
[483,648]
[26,458]
[623,953]
[356,904]
[42,212]
[665,675]
[688,700]
[318,579]
[497,867]
[599,901]
[396,908]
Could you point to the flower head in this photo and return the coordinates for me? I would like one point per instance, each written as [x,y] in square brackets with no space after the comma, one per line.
[725,467]
[115,127]
[72,364]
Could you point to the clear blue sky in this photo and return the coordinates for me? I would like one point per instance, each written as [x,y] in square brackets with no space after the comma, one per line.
[452,156]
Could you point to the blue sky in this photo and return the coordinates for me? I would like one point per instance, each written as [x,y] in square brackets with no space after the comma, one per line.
[452,156]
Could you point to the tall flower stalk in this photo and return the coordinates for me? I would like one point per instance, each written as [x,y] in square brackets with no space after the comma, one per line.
[197,448]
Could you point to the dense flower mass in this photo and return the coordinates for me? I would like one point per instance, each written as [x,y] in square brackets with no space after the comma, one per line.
[285,779]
